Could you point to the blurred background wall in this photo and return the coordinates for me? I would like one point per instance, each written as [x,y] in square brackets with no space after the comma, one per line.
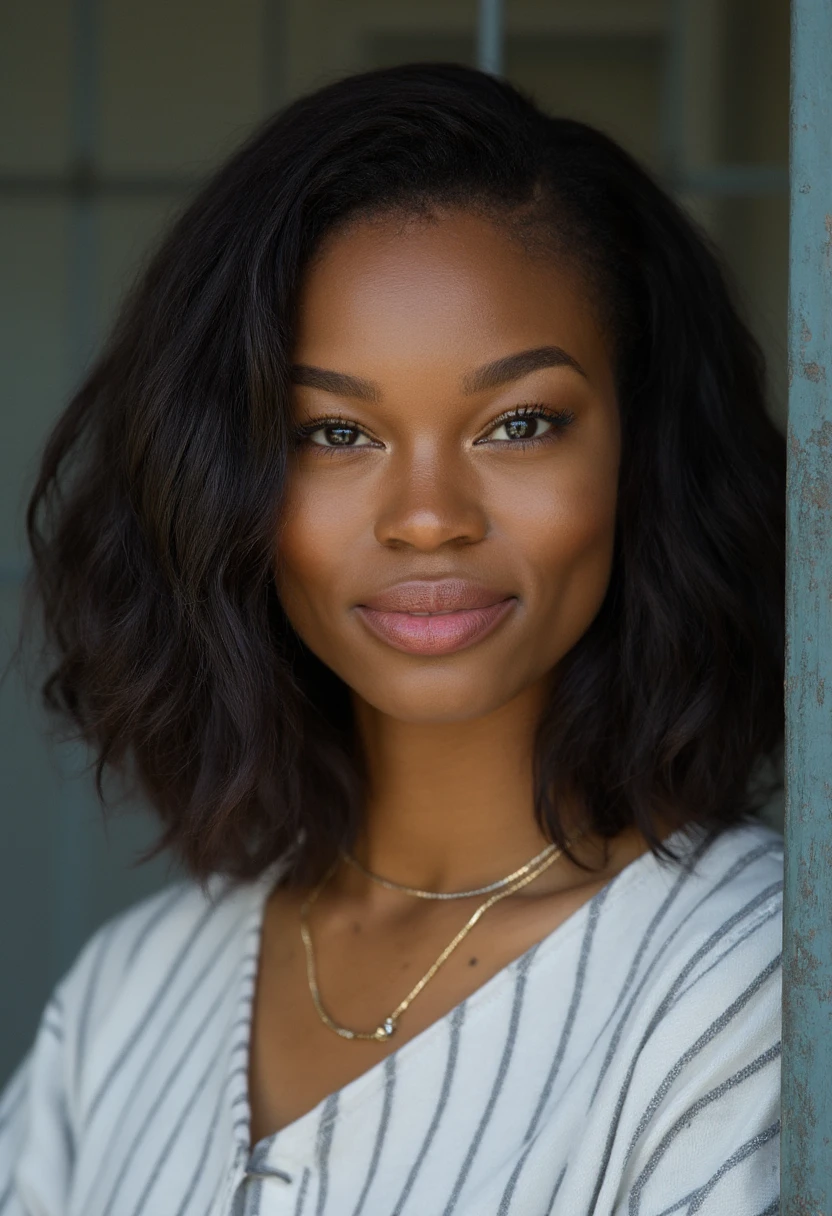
[113,111]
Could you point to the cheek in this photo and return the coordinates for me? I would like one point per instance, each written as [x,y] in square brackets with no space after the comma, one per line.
[568,535]
[315,530]
[307,536]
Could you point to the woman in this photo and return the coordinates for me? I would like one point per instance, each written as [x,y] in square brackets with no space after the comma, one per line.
[416,546]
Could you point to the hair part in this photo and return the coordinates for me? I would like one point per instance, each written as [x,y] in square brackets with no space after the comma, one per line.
[153,519]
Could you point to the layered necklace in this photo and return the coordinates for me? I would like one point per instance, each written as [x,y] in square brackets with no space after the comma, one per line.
[496,891]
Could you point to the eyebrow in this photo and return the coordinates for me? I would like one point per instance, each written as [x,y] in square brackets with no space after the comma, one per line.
[491,375]
[513,367]
[334,382]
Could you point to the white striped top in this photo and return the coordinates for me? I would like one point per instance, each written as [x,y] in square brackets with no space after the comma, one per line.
[628,1063]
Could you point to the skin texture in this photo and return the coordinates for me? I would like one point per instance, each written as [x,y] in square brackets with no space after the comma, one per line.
[435,488]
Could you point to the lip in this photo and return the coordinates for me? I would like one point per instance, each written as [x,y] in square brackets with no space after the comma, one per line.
[435,617]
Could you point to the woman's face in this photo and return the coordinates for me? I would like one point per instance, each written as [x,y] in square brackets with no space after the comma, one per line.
[447,532]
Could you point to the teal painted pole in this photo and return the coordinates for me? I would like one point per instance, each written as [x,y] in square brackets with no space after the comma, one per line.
[807,958]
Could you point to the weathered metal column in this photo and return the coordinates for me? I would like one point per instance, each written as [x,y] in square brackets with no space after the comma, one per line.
[807,1003]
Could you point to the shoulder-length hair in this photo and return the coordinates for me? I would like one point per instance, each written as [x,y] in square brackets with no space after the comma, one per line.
[153,520]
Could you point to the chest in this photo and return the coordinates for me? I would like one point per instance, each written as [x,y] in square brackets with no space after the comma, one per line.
[484,1108]
[480,1111]
[362,975]
[488,1101]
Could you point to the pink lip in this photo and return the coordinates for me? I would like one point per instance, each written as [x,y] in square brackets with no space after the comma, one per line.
[461,613]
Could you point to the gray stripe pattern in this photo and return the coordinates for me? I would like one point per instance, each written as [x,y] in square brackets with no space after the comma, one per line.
[745,1151]
[180,1123]
[741,864]
[685,1119]
[259,1167]
[89,997]
[580,976]
[774,913]
[384,1123]
[457,1019]
[326,1131]
[254,1196]
[168,1083]
[302,1193]
[511,1037]
[557,1187]
[685,875]
[240,1200]
[164,906]
[734,1160]
[199,1168]
[713,1030]
[144,1020]
[577,989]
[761,898]
[236,1085]
[630,1058]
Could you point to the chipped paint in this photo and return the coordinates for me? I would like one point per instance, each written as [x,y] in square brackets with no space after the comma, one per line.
[807,954]
[814,372]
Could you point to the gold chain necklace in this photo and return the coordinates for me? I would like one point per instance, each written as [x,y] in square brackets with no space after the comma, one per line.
[420,894]
[388,1027]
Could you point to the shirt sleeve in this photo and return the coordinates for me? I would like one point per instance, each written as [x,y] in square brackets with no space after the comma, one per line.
[39,1109]
[708,1140]
[34,1123]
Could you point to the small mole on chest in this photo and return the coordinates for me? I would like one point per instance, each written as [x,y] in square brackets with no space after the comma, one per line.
[472,962]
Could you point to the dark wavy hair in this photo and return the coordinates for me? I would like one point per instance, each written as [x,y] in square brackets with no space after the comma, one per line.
[153,520]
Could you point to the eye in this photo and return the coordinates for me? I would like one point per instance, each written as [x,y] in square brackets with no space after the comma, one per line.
[520,428]
[334,433]
[527,423]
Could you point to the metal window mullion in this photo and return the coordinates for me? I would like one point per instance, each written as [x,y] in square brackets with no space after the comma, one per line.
[490,36]
[83,135]
[682,173]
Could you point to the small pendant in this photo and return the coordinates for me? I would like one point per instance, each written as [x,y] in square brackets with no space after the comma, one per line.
[386,1029]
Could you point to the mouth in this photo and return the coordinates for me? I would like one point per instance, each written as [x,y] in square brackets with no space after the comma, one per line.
[435,618]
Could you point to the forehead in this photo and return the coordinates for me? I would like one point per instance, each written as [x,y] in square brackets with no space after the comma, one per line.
[452,290]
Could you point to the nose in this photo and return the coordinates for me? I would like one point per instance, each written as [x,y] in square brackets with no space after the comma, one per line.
[430,501]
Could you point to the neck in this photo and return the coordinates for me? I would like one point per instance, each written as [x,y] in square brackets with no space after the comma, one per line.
[451,805]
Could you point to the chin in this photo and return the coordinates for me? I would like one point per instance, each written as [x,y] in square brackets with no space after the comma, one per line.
[435,700]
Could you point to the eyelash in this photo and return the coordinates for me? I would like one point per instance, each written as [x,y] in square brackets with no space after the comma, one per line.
[560,420]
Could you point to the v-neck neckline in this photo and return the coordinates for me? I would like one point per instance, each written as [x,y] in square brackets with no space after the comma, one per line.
[368,1082]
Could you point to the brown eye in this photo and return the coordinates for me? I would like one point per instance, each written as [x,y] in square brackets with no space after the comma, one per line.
[337,435]
[528,424]
[521,428]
